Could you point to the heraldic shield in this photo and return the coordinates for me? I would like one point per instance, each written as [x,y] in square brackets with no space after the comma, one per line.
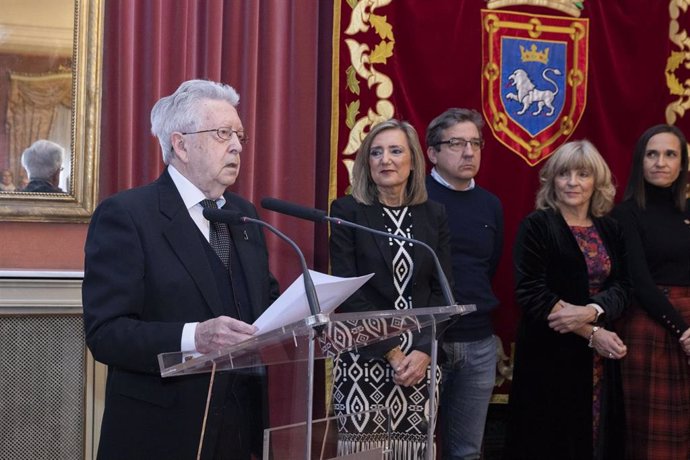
[534,82]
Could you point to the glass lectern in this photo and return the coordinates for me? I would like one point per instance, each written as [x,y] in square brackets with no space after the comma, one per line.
[300,344]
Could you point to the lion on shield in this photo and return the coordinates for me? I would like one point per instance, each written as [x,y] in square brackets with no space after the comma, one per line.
[528,94]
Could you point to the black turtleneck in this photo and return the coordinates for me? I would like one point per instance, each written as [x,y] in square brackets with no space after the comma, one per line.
[658,245]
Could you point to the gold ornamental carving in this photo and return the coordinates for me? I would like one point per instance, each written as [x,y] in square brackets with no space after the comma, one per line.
[677,60]
[366,62]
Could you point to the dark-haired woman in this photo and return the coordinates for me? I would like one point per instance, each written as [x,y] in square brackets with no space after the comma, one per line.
[656,373]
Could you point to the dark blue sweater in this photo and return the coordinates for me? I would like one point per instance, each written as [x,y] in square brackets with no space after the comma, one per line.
[475,218]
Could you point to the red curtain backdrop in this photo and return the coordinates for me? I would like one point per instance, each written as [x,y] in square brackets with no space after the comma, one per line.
[431,56]
[266,49]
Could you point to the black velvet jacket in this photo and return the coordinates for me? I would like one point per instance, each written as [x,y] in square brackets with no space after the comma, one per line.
[551,395]
[550,266]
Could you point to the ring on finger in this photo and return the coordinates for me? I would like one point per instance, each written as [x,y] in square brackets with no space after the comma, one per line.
[610,355]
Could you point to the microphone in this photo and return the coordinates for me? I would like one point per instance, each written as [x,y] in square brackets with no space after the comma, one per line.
[295,210]
[225,216]
[318,215]
[231,217]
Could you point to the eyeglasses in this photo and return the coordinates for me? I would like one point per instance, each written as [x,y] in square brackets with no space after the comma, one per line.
[225,134]
[458,144]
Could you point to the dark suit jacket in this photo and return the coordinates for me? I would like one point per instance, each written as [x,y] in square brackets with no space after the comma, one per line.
[356,253]
[146,275]
[42,186]
[551,393]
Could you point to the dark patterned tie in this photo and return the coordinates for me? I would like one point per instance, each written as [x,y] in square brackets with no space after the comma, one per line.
[220,236]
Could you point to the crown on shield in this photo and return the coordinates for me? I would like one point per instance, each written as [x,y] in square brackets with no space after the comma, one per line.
[571,7]
[533,55]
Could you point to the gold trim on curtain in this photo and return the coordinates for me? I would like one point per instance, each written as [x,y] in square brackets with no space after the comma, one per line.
[677,59]
[367,63]
[32,109]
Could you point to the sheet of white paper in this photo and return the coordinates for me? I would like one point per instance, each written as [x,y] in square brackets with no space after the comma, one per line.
[292,305]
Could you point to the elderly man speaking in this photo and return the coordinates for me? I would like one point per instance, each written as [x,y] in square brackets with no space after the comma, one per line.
[159,277]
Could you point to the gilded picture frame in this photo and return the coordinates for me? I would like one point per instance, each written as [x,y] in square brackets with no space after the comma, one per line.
[79,200]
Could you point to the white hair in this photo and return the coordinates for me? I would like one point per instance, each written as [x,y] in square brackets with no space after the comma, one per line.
[180,110]
[42,159]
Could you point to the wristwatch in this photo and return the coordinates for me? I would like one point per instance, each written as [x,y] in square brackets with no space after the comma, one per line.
[390,352]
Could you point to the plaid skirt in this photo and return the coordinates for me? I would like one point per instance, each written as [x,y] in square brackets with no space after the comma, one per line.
[656,384]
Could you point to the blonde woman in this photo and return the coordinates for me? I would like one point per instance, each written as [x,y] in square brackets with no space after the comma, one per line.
[388,194]
[571,283]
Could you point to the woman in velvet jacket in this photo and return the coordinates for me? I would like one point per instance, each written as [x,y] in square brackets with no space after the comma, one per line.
[571,283]
[388,194]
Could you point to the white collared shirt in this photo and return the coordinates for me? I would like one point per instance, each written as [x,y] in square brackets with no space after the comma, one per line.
[191,195]
[437,177]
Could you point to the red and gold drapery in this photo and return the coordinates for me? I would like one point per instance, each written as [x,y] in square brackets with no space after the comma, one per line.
[412,59]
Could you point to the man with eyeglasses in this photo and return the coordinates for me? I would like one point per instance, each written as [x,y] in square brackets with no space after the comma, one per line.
[160,278]
[475,216]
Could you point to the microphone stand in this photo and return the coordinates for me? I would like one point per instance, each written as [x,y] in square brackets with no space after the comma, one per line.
[229,216]
[309,289]
[318,215]
[443,281]
[234,217]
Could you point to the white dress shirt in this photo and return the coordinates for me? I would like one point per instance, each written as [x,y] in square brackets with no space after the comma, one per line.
[192,196]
